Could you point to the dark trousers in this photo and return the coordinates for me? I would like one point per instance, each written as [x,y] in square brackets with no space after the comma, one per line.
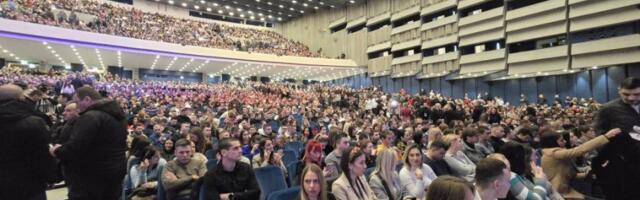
[94,187]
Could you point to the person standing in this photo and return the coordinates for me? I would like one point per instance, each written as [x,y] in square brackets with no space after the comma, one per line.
[94,154]
[616,167]
[24,161]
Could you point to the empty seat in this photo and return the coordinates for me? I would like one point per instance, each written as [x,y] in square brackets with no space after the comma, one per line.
[270,179]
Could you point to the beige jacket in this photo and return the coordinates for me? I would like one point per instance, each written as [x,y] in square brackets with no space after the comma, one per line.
[557,164]
[342,190]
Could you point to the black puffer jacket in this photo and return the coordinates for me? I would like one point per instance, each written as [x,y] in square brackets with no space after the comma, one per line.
[97,144]
[24,151]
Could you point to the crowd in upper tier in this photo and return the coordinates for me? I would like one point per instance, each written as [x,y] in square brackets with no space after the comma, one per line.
[355,143]
[111,19]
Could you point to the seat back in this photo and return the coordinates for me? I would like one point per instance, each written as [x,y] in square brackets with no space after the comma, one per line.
[295,145]
[270,179]
[292,171]
[286,194]
[289,156]
[368,171]
[210,154]
[161,194]
[211,164]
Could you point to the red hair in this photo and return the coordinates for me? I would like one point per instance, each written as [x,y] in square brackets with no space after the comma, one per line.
[312,145]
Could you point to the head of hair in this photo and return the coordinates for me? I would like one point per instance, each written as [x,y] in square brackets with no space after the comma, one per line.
[148,153]
[138,145]
[182,143]
[405,157]
[87,91]
[385,166]
[468,132]
[515,153]
[449,188]
[525,131]
[337,136]
[448,139]
[488,170]
[10,92]
[438,144]
[311,146]
[225,144]
[630,83]
[313,168]
[549,139]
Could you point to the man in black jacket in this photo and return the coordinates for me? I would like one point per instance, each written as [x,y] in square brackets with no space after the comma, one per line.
[24,139]
[231,179]
[94,154]
[617,165]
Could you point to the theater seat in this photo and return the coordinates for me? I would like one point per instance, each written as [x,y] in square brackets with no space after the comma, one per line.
[286,194]
[210,154]
[211,164]
[160,194]
[289,157]
[296,146]
[270,179]
[292,171]
[368,172]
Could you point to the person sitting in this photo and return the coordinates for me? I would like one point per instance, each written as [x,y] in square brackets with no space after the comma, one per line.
[267,156]
[492,179]
[180,175]
[384,180]
[460,164]
[352,184]
[528,182]
[557,161]
[469,139]
[435,158]
[231,179]
[313,185]
[312,155]
[415,176]
[145,174]
[341,143]
[450,188]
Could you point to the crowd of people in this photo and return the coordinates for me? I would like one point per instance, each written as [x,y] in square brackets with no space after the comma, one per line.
[134,23]
[357,143]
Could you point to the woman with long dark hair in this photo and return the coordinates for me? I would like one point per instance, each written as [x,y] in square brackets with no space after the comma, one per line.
[145,174]
[528,181]
[352,184]
[268,156]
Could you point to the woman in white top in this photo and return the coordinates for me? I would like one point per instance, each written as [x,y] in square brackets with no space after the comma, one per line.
[415,176]
[460,164]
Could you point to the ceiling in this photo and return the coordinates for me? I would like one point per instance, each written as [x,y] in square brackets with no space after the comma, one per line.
[38,52]
[274,11]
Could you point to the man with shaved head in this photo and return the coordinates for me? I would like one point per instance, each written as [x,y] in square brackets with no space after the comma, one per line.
[24,139]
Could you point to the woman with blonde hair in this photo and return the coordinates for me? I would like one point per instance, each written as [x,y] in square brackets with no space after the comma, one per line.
[314,187]
[384,180]
[460,164]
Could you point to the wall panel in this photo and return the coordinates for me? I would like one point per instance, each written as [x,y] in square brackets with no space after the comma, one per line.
[470,87]
[457,88]
[547,86]
[615,75]
[599,84]
[528,88]
[512,92]
[583,86]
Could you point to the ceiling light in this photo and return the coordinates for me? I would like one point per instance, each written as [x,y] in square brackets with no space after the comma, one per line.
[171,2]
[352,1]
[196,7]
[184,4]
[209,9]
[305,4]
[220,11]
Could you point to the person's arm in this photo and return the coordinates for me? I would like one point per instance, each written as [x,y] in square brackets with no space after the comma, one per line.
[171,182]
[202,169]
[37,137]
[252,191]
[137,177]
[586,147]
[458,167]
[429,174]
[82,135]
[211,191]
[378,189]
[415,187]
[521,192]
